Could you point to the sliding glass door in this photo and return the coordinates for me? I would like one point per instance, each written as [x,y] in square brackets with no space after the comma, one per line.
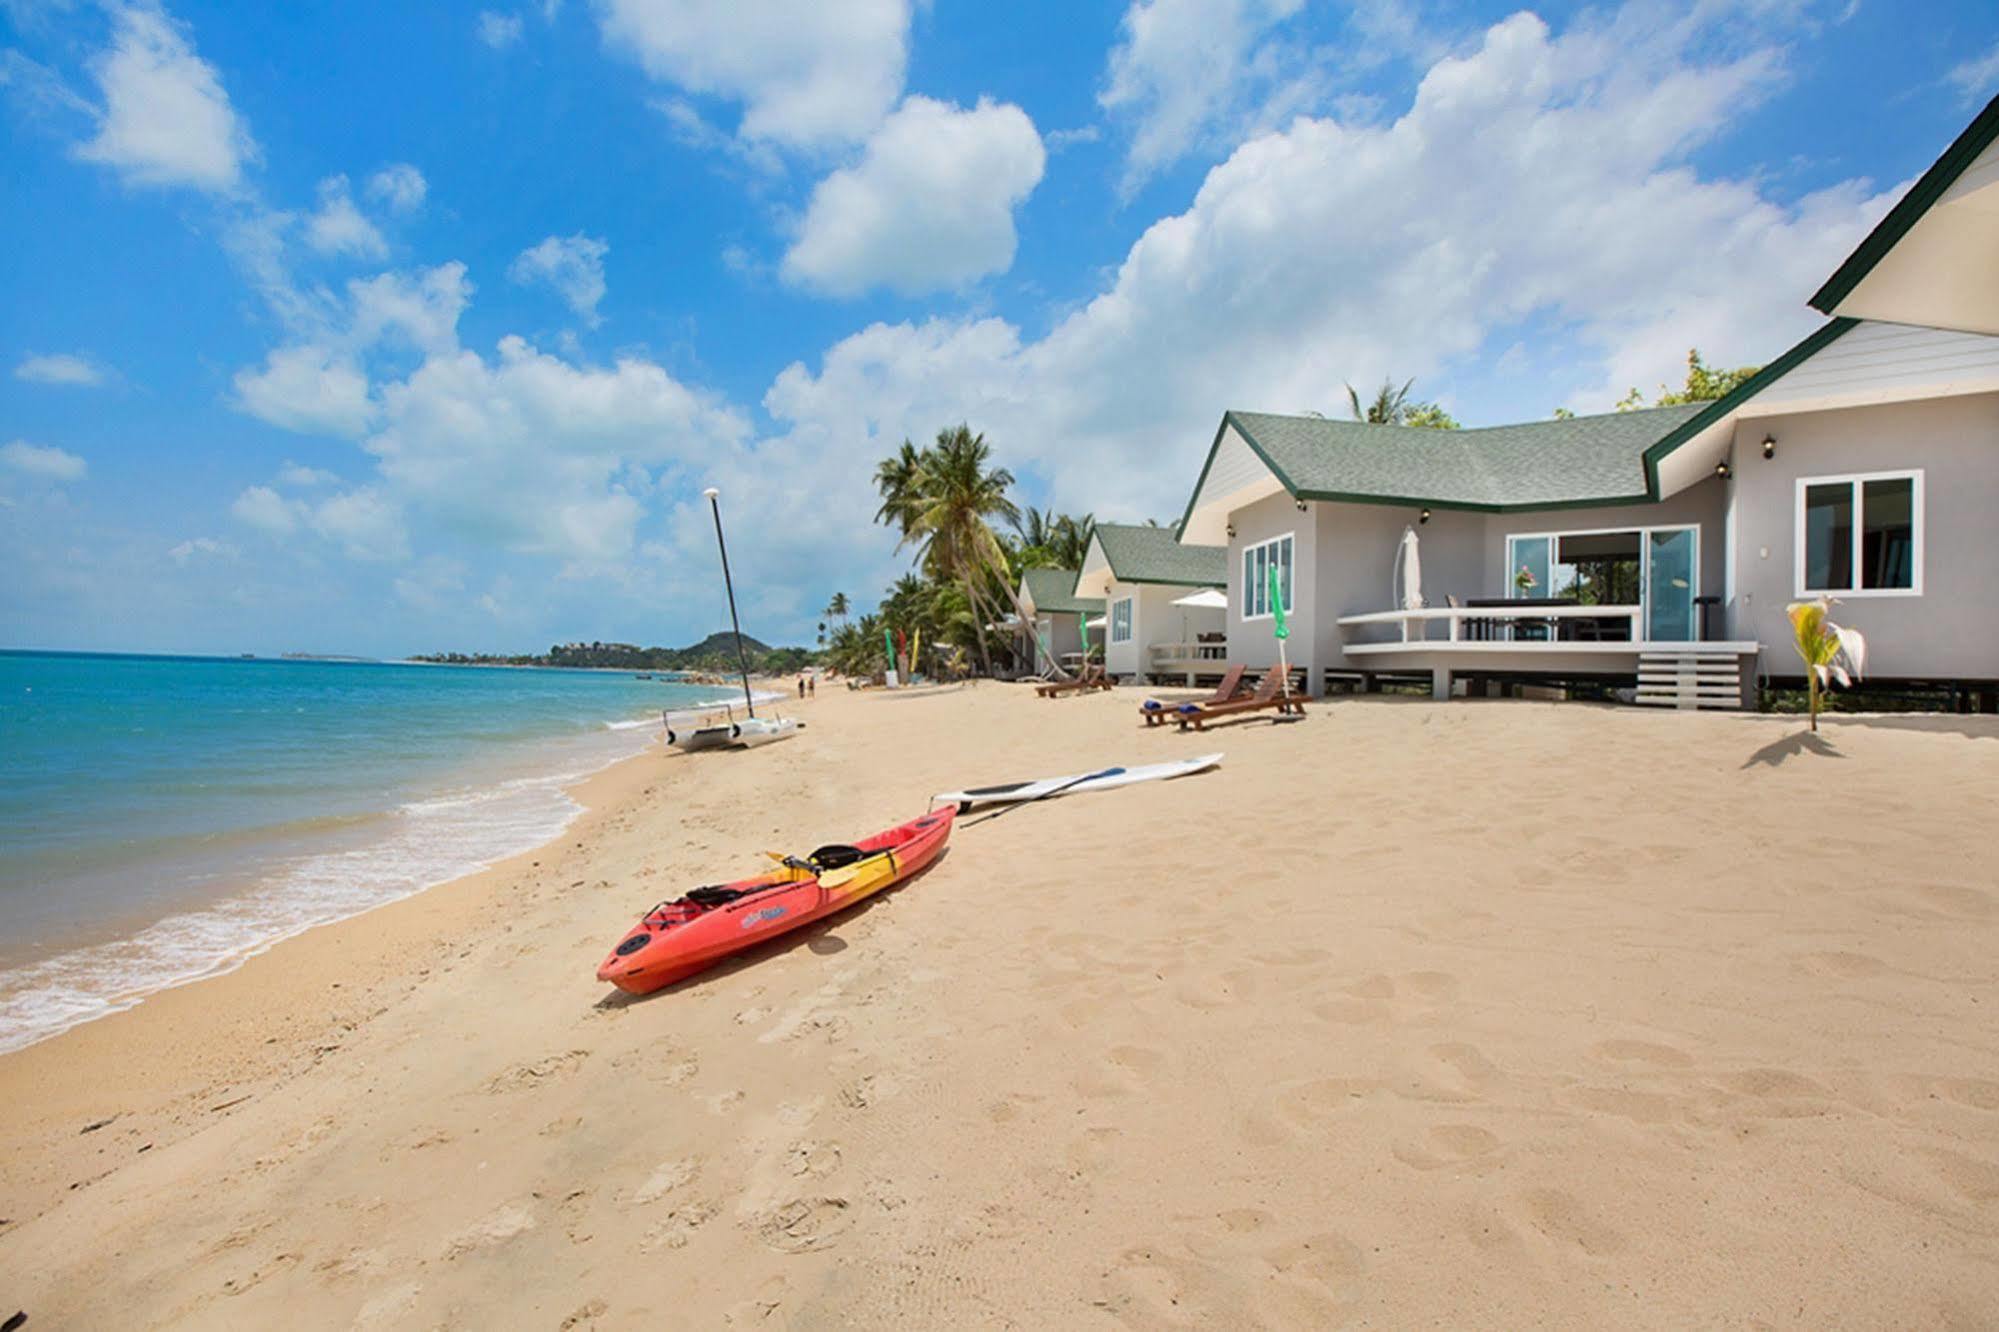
[1671,556]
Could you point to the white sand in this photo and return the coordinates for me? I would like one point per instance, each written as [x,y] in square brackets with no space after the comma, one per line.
[1481,1013]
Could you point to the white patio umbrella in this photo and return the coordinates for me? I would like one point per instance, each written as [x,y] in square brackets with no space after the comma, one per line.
[1096,623]
[1410,557]
[1208,598]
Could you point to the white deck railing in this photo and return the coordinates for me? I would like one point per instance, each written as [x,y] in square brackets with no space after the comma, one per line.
[1415,623]
[1163,653]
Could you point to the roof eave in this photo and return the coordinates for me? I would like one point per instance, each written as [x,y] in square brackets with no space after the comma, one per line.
[1909,210]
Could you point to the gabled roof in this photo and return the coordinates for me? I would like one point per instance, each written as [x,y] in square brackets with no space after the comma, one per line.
[1567,463]
[1152,555]
[1054,590]
[1934,259]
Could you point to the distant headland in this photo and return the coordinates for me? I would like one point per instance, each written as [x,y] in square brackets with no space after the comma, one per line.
[715,653]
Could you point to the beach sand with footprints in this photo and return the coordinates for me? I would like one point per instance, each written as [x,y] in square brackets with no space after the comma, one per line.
[1479,1013]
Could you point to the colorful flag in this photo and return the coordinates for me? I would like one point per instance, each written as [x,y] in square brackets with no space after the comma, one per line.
[1281,630]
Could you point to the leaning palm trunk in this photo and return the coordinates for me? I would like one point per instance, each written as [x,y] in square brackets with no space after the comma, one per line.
[973,600]
[1020,609]
[1830,653]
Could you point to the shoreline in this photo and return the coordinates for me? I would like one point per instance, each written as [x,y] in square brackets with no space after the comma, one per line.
[271,991]
[235,897]
[1544,1059]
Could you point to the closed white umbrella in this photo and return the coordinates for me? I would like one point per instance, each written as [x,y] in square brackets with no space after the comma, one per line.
[1411,558]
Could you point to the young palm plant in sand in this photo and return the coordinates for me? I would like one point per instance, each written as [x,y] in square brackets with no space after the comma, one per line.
[1830,652]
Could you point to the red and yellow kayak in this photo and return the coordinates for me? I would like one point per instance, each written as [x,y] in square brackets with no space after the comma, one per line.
[676,939]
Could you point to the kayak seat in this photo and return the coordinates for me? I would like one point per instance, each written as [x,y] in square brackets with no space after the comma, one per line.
[713,895]
[836,856]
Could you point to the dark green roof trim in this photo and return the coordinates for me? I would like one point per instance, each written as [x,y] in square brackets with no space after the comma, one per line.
[1743,392]
[1922,196]
[1138,554]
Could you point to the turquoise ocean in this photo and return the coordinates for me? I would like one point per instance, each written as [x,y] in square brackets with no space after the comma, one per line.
[163,818]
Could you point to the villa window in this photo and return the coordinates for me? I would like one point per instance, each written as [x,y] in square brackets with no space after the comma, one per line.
[1860,535]
[1257,562]
[1121,620]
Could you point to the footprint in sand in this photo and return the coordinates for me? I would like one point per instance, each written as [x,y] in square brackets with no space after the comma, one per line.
[1569,1223]
[665,1178]
[521,1077]
[1841,965]
[674,1229]
[804,1224]
[1236,1273]
[1461,1147]
[1642,1052]
[816,1159]
[496,1228]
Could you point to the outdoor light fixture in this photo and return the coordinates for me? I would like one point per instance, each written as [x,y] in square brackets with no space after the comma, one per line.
[1769,446]
[1301,506]
[1231,531]
[1424,517]
[1721,469]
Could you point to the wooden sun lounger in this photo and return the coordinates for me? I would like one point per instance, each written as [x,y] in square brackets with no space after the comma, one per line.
[1158,714]
[1270,694]
[1092,677]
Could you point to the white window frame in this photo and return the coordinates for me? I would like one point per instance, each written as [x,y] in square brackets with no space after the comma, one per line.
[1121,605]
[1248,594]
[1856,480]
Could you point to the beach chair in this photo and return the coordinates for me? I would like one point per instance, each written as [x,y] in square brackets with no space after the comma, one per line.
[1091,677]
[1157,713]
[1271,694]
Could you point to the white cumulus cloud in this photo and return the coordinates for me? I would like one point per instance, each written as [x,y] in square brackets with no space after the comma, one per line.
[400,186]
[808,74]
[498,30]
[572,265]
[1187,71]
[209,546]
[929,205]
[309,388]
[338,227]
[62,368]
[42,462]
[300,476]
[166,119]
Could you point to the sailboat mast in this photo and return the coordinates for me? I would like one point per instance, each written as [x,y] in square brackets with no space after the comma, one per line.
[742,655]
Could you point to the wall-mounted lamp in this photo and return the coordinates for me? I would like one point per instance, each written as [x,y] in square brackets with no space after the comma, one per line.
[1722,470]
[1301,506]
[1231,531]
[1423,517]
[1769,446]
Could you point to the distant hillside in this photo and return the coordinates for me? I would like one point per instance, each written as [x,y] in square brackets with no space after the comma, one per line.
[717,653]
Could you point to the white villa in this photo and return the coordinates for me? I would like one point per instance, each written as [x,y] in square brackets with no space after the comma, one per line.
[1055,630]
[1658,548]
[1165,613]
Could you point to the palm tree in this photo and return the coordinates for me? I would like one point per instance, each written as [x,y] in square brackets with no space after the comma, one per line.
[1036,527]
[899,478]
[1389,407]
[837,607]
[1071,543]
[961,497]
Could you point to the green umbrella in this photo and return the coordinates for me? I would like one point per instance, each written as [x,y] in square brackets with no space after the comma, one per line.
[1280,630]
[888,646]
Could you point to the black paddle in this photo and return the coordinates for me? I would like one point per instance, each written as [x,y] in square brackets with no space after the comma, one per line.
[1088,776]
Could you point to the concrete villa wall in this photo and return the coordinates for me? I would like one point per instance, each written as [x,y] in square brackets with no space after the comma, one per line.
[1949,631]
[1249,641]
[1154,619]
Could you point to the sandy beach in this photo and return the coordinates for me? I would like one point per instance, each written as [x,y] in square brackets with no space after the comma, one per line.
[1498,1013]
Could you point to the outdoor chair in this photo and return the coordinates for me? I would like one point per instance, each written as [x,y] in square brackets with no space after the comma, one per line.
[1157,713]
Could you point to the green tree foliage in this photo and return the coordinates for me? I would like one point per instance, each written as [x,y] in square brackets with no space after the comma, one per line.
[1704,384]
[1392,406]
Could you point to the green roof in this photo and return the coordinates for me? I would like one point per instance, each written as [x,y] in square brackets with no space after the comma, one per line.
[1922,196]
[1054,590]
[1152,555]
[1539,464]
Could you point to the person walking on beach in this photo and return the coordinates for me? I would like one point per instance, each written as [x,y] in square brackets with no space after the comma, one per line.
[801,686]
[812,685]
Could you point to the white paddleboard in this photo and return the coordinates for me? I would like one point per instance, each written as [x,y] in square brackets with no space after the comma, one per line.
[1103,779]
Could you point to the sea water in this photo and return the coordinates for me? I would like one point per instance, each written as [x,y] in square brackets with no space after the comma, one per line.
[164,818]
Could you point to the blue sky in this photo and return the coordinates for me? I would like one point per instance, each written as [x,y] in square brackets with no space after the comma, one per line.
[380,328]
